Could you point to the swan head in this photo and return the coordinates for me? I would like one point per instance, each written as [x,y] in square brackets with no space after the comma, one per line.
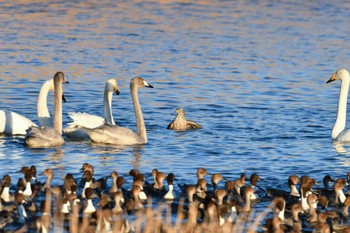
[59,77]
[112,86]
[140,82]
[340,74]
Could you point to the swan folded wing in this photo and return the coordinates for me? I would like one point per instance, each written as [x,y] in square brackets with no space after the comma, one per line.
[43,137]
[76,133]
[85,120]
[112,134]
[344,136]
[193,125]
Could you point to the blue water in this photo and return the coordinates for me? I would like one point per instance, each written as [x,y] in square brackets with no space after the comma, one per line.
[252,73]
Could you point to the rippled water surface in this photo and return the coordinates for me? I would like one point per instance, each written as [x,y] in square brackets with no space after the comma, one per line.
[252,73]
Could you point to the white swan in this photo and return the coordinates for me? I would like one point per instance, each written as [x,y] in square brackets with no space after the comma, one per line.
[12,123]
[44,137]
[74,131]
[112,134]
[338,132]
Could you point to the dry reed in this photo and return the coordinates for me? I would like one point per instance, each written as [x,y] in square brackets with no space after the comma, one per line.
[148,220]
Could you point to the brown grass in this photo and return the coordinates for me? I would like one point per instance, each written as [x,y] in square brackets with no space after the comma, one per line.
[147,220]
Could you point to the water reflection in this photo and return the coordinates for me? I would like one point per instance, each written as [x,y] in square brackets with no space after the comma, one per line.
[344,161]
[57,159]
[57,155]
[137,156]
[252,76]
[106,151]
[342,147]
[99,148]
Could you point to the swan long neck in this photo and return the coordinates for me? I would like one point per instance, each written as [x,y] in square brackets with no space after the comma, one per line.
[141,128]
[57,120]
[42,109]
[107,106]
[340,122]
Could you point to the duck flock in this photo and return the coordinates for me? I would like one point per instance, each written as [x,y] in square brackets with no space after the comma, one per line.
[158,202]
[133,203]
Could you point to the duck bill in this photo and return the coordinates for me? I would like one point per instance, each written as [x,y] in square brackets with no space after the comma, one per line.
[333,78]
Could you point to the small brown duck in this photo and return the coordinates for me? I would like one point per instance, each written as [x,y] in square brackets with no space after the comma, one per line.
[181,123]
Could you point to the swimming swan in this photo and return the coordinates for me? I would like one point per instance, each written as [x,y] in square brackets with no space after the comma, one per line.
[74,130]
[44,137]
[181,123]
[112,134]
[338,132]
[12,123]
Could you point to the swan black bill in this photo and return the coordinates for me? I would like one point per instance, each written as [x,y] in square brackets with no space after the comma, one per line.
[333,78]
[65,80]
[64,98]
[117,92]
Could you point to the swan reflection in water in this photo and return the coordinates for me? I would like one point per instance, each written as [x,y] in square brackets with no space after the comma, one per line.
[342,147]
[107,149]
[112,150]
[343,151]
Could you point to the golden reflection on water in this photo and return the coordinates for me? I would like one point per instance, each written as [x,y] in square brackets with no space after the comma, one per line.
[52,26]
[57,33]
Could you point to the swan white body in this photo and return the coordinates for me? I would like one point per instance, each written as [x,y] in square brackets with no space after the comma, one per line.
[338,132]
[44,137]
[112,134]
[86,120]
[12,123]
